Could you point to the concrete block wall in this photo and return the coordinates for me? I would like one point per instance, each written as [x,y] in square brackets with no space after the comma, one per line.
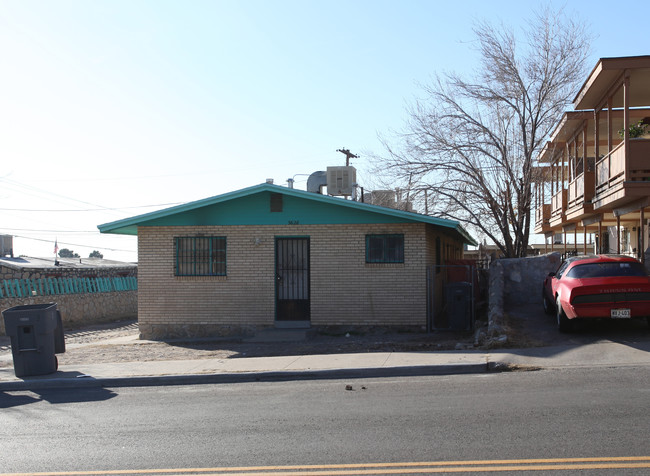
[345,290]
[517,281]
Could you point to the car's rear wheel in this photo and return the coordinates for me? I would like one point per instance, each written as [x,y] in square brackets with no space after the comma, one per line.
[564,324]
[548,307]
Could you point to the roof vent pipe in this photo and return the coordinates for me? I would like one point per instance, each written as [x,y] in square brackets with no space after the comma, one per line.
[317,181]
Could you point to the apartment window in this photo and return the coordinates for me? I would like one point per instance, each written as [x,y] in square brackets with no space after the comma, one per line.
[384,248]
[201,256]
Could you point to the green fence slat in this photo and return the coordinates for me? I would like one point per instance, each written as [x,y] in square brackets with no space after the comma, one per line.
[27,287]
[19,290]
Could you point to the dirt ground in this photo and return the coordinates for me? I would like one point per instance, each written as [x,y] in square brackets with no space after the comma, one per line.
[526,326]
[118,342]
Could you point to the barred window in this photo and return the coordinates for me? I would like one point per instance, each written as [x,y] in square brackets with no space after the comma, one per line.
[201,256]
[384,248]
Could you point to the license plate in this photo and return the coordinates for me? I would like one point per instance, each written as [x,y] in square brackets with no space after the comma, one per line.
[620,314]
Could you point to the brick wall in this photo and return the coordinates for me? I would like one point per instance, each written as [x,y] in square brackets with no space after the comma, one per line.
[345,290]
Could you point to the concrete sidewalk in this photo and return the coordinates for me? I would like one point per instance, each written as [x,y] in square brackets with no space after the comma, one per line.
[358,365]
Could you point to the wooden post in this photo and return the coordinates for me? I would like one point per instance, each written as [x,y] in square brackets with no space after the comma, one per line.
[552,242]
[618,235]
[596,134]
[599,248]
[626,124]
[642,236]
[609,125]
[585,242]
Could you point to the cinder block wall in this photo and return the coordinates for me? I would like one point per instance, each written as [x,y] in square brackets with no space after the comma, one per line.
[516,281]
[345,290]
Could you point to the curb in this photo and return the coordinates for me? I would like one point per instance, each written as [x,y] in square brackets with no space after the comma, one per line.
[269,376]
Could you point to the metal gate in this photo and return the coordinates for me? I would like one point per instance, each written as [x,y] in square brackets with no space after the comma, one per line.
[292,302]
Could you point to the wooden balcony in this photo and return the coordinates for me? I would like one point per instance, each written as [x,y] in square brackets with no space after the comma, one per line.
[579,195]
[542,218]
[558,208]
[616,185]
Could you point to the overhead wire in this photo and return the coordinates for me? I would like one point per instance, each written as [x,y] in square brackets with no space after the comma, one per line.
[74,244]
[87,209]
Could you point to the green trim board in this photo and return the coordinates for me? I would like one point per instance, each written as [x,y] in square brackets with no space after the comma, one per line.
[251,206]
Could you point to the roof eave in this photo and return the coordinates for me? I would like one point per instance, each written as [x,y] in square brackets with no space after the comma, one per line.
[129,226]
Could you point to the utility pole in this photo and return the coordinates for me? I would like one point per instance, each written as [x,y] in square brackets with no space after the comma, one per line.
[348,155]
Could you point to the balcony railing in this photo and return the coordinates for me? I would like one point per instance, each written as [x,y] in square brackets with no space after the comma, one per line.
[558,204]
[580,190]
[542,217]
[611,173]
[610,170]
[639,160]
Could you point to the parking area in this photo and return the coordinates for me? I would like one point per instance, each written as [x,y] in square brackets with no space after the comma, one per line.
[530,327]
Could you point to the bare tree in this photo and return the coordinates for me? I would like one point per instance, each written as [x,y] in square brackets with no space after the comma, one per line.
[469,146]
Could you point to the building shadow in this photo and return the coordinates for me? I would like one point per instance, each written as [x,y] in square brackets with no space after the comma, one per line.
[73,394]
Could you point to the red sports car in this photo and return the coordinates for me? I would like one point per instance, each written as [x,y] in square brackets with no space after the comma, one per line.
[597,286]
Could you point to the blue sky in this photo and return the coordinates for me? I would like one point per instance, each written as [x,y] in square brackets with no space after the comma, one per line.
[110,109]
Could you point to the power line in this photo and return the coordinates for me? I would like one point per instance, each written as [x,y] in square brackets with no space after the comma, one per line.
[50,231]
[74,244]
[88,209]
[40,190]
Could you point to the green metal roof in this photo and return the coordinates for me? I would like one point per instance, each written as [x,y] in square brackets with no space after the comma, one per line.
[250,206]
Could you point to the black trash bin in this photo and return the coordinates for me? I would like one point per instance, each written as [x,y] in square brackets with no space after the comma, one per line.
[459,305]
[36,335]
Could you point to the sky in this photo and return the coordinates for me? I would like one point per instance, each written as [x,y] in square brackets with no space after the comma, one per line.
[112,109]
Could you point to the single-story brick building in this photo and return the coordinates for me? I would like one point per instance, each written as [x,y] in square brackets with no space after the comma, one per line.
[270,256]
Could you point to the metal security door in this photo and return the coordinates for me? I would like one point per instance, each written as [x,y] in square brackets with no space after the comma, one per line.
[292,279]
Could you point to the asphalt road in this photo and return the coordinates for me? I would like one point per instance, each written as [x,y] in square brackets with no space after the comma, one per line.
[510,416]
